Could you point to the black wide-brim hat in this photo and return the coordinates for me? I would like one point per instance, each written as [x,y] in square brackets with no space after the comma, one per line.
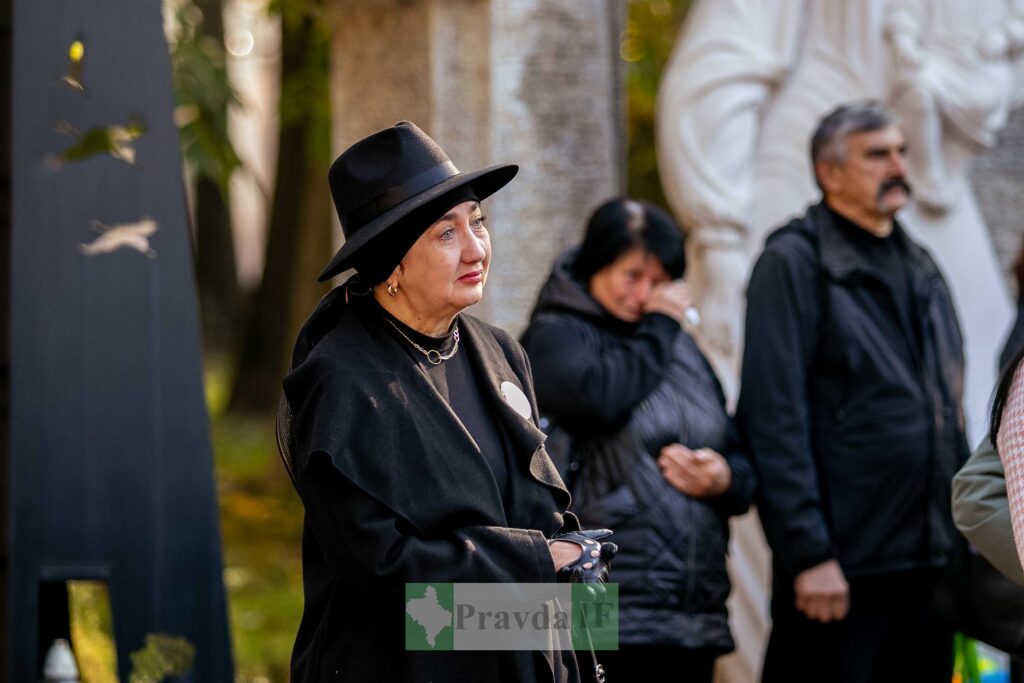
[387,176]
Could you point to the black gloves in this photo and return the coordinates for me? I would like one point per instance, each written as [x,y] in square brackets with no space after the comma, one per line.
[592,566]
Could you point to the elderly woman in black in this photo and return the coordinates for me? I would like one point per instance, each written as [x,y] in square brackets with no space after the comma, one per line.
[645,417]
[409,427]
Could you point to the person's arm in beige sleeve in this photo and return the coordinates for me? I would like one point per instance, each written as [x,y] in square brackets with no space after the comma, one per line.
[982,512]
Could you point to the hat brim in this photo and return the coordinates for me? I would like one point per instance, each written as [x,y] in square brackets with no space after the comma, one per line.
[484,183]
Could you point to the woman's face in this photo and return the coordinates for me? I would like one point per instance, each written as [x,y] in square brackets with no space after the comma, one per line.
[446,268]
[624,286]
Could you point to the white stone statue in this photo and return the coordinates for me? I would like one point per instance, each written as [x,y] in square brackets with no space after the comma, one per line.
[954,81]
[739,99]
[729,58]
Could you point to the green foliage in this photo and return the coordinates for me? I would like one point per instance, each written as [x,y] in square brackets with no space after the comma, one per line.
[203,94]
[645,46]
[965,662]
[116,140]
[261,527]
[161,656]
[261,523]
[305,92]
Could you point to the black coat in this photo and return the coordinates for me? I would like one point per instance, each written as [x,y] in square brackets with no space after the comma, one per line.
[855,428]
[396,491]
[622,392]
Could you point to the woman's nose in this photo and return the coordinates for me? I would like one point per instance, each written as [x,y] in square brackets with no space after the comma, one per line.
[643,292]
[473,249]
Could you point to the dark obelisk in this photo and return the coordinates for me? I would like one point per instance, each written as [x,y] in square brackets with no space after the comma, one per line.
[106,466]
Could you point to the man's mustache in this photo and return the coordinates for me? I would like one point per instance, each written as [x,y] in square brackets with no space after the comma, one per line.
[892,183]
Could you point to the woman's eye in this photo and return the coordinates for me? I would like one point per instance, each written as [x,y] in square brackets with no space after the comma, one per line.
[448,233]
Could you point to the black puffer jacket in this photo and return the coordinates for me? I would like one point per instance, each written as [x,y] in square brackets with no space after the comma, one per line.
[622,392]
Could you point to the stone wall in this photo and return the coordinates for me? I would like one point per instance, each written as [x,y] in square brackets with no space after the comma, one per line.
[998,182]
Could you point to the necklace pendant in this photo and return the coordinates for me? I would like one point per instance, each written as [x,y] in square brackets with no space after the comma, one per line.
[434,357]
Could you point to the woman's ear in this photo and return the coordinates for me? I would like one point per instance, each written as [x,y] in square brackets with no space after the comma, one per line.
[391,283]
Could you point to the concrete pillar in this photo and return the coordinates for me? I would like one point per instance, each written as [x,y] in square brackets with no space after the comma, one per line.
[380,66]
[533,82]
[554,111]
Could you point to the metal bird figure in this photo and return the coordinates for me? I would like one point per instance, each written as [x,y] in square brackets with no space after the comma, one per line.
[131,235]
[117,141]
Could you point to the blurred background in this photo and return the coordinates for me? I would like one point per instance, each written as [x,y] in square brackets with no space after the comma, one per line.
[253,84]
[261,95]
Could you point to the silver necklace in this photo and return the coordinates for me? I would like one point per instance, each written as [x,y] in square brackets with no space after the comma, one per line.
[432,355]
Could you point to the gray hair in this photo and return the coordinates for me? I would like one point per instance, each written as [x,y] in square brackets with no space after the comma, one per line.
[829,140]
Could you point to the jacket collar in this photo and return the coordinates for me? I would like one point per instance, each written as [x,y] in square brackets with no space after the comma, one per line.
[843,261]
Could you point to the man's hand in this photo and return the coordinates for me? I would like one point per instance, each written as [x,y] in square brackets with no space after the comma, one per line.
[822,593]
[702,473]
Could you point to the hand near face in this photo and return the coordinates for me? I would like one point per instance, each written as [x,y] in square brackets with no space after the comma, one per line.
[703,473]
[671,299]
[822,593]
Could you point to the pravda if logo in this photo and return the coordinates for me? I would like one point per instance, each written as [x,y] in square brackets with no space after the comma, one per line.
[429,613]
[511,616]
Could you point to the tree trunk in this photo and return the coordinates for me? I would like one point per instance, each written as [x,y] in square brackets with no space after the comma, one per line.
[216,277]
[299,234]
[217,280]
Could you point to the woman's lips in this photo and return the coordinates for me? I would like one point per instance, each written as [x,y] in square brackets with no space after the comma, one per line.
[474,277]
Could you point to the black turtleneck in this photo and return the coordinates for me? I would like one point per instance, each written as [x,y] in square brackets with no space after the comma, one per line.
[890,264]
[455,380]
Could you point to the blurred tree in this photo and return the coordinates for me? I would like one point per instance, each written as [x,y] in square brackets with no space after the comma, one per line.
[645,45]
[298,240]
[204,93]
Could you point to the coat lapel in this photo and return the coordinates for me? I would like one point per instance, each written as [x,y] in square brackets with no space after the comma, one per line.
[493,368]
[459,446]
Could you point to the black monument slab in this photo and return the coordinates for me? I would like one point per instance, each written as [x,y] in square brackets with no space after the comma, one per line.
[108,463]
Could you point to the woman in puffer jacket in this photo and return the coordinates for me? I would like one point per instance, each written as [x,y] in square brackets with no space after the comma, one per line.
[651,452]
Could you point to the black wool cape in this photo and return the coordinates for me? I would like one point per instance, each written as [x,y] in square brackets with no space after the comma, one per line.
[396,491]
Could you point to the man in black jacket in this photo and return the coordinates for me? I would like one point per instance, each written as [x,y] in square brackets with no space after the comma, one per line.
[851,404]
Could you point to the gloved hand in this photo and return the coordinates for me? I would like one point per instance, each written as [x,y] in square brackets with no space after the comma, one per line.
[592,566]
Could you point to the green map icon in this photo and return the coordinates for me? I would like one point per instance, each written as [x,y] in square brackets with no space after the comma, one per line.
[429,615]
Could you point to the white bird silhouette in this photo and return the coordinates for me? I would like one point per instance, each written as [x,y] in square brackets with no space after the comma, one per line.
[133,235]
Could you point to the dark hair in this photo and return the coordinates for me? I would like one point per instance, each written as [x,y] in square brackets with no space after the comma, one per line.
[1018,273]
[381,255]
[619,225]
[829,140]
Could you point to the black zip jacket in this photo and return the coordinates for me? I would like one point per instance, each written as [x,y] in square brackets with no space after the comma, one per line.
[855,426]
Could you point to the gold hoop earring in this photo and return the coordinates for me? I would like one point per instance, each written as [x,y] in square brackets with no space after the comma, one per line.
[392,289]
